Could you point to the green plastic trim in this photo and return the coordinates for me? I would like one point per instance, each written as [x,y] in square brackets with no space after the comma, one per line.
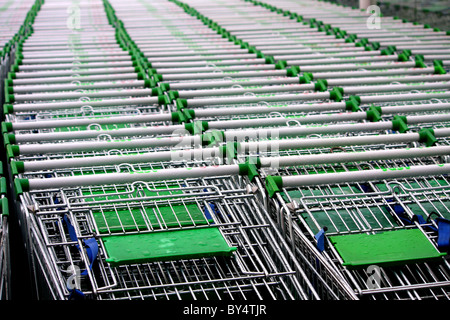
[230,150]
[197,127]
[18,61]
[157,77]
[164,100]
[405,55]
[439,67]
[9,98]
[336,94]
[399,123]
[353,103]
[9,138]
[362,42]
[293,71]
[20,186]
[164,87]
[212,138]
[420,64]
[3,186]
[183,116]
[439,70]
[150,83]
[306,77]
[248,169]
[5,207]
[17,167]
[9,89]
[152,71]
[321,85]
[273,185]
[12,151]
[374,114]
[389,50]
[281,64]
[375,45]
[7,127]
[270,60]
[427,137]
[181,104]
[157,92]
[140,74]
[351,38]
[173,95]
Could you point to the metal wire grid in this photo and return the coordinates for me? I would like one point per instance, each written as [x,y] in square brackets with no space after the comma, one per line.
[343,292]
[258,269]
[131,274]
[367,207]
[4,259]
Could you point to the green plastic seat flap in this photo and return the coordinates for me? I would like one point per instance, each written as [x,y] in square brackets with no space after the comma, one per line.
[165,246]
[388,248]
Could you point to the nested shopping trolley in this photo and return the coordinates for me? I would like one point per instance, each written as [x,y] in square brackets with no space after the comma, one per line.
[141,171]
[5,257]
[79,237]
[147,234]
[376,216]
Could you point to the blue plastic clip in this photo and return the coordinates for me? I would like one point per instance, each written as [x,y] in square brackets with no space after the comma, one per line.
[76,294]
[443,241]
[90,243]
[320,237]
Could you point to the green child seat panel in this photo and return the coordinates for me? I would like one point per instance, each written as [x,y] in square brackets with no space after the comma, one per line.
[165,246]
[149,215]
[387,248]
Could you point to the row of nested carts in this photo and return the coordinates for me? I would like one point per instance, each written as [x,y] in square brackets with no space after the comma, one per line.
[225,150]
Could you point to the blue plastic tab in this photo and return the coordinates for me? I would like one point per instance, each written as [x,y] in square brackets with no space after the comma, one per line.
[90,244]
[320,237]
[76,294]
[443,241]
[92,251]
[70,228]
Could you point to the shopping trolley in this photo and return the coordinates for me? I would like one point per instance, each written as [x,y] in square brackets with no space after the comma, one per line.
[5,260]
[72,222]
[328,213]
[95,175]
[239,258]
